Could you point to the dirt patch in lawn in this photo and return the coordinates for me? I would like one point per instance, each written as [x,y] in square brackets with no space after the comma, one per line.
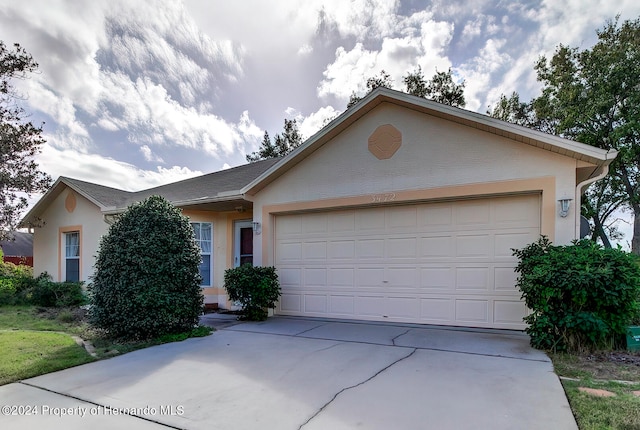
[614,365]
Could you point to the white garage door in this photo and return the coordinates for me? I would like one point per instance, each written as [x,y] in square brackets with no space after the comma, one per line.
[444,263]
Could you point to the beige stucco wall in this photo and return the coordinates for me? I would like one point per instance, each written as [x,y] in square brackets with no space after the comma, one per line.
[85,217]
[222,250]
[435,155]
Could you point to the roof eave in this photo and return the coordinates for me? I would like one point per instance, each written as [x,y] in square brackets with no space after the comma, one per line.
[228,196]
[54,191]
[573,149]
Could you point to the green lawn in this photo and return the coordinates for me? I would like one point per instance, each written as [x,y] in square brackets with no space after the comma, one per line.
[619,412]
[593,371]
[28,318]
[24,354]
[35,341]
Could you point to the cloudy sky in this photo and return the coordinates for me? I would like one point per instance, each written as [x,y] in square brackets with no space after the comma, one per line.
[137,93]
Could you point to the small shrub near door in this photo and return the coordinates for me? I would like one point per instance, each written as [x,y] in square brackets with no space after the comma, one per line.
[581,296]
[256,288]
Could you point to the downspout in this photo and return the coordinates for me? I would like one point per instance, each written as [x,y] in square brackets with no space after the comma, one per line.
[579,191]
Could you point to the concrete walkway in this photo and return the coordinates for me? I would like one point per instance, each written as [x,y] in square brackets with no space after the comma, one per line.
[293,373]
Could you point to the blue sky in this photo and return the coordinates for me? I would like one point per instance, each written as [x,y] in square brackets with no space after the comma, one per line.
[138,93]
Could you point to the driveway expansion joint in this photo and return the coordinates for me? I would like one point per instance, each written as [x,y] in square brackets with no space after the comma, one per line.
[98,404]
[335,396]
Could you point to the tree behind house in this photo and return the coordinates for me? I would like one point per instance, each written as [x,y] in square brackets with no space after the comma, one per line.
[592,96]
[20,141]
[283,143]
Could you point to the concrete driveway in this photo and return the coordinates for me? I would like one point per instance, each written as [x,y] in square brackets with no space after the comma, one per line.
[292,373]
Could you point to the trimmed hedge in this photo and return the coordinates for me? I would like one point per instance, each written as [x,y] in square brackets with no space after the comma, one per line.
[581,296]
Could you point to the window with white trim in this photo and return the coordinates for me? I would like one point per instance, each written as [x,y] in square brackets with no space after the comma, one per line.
[204,238]
[72,256]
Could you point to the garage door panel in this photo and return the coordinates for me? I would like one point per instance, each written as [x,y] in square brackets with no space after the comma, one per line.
[369,277]
[505,280]
[476,213]
[437,278]
[474,245]
[508,311]
[472,310]
[472,278]
[315,223]
[370,306]
[314,250]
[401,247]
[370,248]
[436,247]
[289,252]
[442,263]
[340,277]
[436,217]
[367,221]
[315,277]
[403,307]
[507,241]
[290,276]
[342,222]
[342,250]
[315,304]
[341,305]
[402,277]
[290,303]
[437,309]
[518,211]
[402,218]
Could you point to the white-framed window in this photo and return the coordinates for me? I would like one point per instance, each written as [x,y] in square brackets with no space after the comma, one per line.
[204,237]
[72,256]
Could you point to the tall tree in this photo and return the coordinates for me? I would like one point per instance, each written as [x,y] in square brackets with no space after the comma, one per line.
[383,80]
[20,141]
[440,88]
[283,143]
[592,96]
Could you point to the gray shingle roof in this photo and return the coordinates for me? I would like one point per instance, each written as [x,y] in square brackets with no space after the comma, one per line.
[21,246]
[200,187]
[223,184]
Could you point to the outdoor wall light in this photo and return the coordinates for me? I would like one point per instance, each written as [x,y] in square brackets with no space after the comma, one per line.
[564,207]
[257,228]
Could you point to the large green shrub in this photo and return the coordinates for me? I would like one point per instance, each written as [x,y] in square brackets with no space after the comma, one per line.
[42,291]
[146,280]
[256,288]
[581,296]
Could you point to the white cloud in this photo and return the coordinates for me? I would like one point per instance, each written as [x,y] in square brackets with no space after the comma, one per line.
[149,155]
[107,171]
[479,71]
[314,122]
[420,41]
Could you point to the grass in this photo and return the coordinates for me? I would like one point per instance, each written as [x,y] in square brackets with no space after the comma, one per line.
[30,353]
[591,412]
[35,341]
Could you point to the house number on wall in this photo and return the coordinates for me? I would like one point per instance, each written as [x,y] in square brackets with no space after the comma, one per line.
[381,198]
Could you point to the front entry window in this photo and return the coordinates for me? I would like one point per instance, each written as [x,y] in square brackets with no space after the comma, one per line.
[72,256]
[204,238]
